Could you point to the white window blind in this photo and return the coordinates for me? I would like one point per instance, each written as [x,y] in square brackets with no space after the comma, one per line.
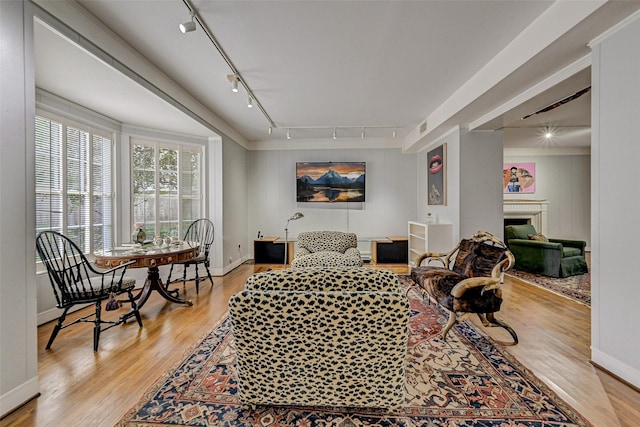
[166,187]
[74,183]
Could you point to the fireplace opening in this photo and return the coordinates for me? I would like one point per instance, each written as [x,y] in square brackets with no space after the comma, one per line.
[516,221]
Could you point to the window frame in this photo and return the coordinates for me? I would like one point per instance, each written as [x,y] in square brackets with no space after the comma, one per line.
[92,131]
[181,147]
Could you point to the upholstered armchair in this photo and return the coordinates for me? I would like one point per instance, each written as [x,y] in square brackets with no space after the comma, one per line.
[467,280]
[327,249]
[321,337]
[536,253]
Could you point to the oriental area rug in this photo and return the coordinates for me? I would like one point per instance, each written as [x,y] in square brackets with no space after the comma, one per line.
[576,288]
[469,380]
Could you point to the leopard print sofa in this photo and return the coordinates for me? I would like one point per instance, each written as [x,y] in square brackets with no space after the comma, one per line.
[327,249]
[321,337]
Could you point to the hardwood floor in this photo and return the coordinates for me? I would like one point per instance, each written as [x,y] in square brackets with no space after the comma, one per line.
[82,388]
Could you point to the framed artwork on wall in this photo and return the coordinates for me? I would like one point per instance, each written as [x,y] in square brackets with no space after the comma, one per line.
[437,176]
[330,181]
[519,178]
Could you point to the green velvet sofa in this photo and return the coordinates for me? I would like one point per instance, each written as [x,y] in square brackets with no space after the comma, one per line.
[555,257]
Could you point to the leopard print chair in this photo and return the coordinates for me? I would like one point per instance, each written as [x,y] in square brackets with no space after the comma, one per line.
[321,337]
[327,249]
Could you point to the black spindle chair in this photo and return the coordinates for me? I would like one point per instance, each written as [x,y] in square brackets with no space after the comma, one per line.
[76,281]
[200,232]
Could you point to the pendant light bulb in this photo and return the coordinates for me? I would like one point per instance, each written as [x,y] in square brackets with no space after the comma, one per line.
[335,136]
[288,133]
[270,130]
[250,102]
[362,133]
[234,84]
[394,132]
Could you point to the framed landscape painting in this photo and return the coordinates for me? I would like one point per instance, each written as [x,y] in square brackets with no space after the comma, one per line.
[519,178]
[437,176]
[330,181]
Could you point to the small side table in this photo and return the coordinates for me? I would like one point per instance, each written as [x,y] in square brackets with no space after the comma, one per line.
[270,250]
[390,250]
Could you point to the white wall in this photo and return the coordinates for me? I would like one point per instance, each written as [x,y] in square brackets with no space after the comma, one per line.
[480,189]
[474,194]
[18,339]
[449,213]
[564,181]
[390,194]
[615,340]
[234,205]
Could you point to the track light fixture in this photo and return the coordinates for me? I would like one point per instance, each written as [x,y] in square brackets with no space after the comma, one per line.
[250,102]
[233,79]
[334,130]
[187,27]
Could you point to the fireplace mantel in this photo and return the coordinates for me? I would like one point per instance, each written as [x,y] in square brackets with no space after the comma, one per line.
[533,210]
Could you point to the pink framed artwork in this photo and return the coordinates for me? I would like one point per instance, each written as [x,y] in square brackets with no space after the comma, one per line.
[519,178]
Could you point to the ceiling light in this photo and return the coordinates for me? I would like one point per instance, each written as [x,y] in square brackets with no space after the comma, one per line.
[335,136]
[187,27]
[288,133]
[394,132]
[234,84]
[250,103]
[548,135]
[362,133]
[270,130]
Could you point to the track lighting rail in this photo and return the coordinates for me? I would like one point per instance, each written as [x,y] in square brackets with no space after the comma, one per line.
[226,59]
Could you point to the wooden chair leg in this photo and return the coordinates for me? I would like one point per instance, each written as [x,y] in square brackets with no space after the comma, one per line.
[57,328]
[197,280]
[206,266]
[96,327]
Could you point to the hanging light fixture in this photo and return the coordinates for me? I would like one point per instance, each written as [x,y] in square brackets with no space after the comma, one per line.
[362,133]
[394,132]
[250,102]
[335,135]
[270,130]
[187,27]
[288,133]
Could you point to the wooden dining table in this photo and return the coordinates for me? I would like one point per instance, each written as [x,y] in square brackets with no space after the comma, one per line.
[150,257]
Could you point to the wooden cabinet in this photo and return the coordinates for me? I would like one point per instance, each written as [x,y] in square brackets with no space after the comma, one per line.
[428,238]
[390,250]
[270,250]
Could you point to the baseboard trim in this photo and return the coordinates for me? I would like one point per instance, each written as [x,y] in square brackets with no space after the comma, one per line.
[615,367]
[17,397]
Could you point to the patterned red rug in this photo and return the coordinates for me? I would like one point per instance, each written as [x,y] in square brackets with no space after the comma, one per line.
[466,381]
[577,288]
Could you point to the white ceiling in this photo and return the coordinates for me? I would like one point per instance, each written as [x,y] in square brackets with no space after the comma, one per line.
[328,64]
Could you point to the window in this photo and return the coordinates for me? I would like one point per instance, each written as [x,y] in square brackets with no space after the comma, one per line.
[74,183]
[166,187]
